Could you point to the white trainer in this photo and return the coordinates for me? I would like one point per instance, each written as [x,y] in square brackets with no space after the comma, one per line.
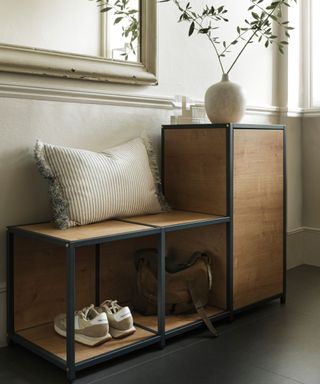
[120,318]
[90,326]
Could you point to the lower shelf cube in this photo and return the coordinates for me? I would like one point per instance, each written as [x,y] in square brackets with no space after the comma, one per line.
[46,338]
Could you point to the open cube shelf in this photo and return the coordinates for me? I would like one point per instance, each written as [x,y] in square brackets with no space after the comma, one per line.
[104,268]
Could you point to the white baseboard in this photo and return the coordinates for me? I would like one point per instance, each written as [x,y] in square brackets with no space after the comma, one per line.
[295,245]
[311,246]
[304,246]
[3,317]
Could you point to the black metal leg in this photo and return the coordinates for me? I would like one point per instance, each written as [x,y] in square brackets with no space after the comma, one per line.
[229,268]
[283,299]
[98,275]
[10,287]
[70,312]
[231,317]
[161,289]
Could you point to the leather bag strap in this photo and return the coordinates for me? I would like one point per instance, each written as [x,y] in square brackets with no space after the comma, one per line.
[201,311]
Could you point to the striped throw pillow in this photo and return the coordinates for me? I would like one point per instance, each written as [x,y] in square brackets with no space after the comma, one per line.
[87,187]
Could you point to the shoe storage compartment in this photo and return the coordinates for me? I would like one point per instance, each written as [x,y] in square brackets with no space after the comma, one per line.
[212,241]
[104,269]
[185,233]
[118,276]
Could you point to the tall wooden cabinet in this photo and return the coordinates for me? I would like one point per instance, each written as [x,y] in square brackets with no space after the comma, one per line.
[237,171]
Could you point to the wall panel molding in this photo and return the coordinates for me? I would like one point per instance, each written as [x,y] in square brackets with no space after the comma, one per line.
[75,96]
[117,99]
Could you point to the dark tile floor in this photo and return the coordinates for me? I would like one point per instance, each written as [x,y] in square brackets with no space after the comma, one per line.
[272,344]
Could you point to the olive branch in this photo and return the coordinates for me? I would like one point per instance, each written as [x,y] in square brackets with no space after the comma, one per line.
[259,27]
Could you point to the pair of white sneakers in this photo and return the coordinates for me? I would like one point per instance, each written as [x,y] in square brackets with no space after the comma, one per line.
[96,325]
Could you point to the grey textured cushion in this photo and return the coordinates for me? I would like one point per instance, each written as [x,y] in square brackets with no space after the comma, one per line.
[87,186]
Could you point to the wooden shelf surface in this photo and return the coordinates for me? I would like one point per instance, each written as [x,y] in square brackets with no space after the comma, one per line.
[172,218]
[90,231]
[111,228]
[45,337]
[174,321]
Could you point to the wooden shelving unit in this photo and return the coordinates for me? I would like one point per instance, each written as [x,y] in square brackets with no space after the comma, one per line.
[226,185]
[103,266]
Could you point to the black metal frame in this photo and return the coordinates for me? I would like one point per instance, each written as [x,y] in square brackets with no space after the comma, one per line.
[159,337]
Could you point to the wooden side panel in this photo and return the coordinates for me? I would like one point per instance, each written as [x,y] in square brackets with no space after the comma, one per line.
[258,215]
[40,281]
[211,239]
[118,274]
[195,169]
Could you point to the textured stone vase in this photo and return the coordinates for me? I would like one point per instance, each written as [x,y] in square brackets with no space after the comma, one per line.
[225,102]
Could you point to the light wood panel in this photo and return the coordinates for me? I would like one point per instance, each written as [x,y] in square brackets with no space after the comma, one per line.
[40,281]
[102,229]
[195,169]
[174,321]
[258,215]
[45,337]
[173,217]
[118,273]
[210,239]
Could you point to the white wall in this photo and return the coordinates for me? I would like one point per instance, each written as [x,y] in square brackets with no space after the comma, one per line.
[94,116]
[48,25]
[311,189]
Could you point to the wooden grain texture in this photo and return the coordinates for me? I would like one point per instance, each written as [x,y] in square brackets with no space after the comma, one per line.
[258,215]
[210,239]
[118,273]
[102,229]
[195,169]
[40,281]
[45,337]
[173,217]
[174,321]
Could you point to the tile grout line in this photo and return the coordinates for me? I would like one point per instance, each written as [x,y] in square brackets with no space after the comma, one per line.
[277,374]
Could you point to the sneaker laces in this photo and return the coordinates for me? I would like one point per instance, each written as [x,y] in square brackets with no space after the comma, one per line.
[85,312]
[112,305]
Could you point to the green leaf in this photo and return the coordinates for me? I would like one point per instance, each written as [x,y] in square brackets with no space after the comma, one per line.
[105,9]
[191,29]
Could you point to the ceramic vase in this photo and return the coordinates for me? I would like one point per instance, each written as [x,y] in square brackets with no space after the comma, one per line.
[225,102]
